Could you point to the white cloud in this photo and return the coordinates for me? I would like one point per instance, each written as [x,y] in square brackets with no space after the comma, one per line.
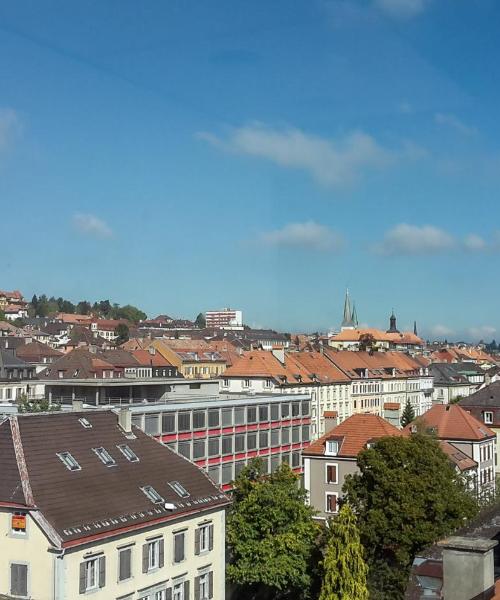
[92,226]
[440,331]
[404,239]
[10,125]
[308,235]
[475,243]
[484,332]
[401,9]
[330,162]
[455,123]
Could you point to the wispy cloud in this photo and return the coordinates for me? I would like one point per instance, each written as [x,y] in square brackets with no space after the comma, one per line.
[475,243]
[404,239]
[483,332]
[449,120]
[331,162]
[10,126]
[440,331]
[92,226]
[401,9]
[308,235]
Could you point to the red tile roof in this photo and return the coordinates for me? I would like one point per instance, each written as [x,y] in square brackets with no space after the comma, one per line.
[452,422]
[356,432]
[146,359]
[392,405]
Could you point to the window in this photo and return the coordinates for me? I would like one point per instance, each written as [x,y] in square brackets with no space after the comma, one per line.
[227,473]
[263,439]
[263,413]
[92,574]
[105,457]
[488,418]
[180,591]
[151,424]
[239,442]
[85,423]
[184,449]
[204,586]
[184,421]
[285,410]
[199,449]
[152,494]
[295,409]
[179,489]
[246,383]
[275,412]
[19,580]
[213,417]
[128,453]
[306,407]
[268,383]
[18,523]
[168,422]
[227,417]
[295,460]
[153,556]
[285,435]
[275,438]
[199,419]
[225,383]
[214,473]
[306,436]
[124,564]
[295,434]
[331,502]
[213,446]
[251,414]
[227,444]
[239,415]
[69,462]
[331,473]
[238,467]
[332,447]
[179,540]
[204,538]
[251,441]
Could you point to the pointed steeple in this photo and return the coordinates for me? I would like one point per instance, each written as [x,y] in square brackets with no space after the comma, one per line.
[354,315]
[392,324]
[347,322]
[415,328]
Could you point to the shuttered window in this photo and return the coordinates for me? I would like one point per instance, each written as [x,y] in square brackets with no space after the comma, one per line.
[18,580]
[92,574]
[204,538]
[124,564]
[331,473]
[153,555]
[179,542]
[204,586]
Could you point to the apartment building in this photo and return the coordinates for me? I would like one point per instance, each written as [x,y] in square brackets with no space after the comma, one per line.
[226,318]
[194,359]
[220,435]
[17,377]
[90,506]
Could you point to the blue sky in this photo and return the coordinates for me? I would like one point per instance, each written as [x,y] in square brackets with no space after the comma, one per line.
[185,156]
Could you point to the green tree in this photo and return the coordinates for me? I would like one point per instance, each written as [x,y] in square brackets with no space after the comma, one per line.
[122,332]
[270,534]
[406,496]
[30,405]
[2,316]
[408,414]
[83,307]
[128,312]
[344,568]
[200,321]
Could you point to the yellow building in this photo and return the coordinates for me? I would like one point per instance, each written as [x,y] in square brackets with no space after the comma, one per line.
[194,359]
[90,506]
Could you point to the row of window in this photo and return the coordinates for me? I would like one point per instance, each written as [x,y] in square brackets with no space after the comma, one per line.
[487,475]
[198,449]
[189,420]
[485,452]
[93,568]
[225,473]
[104,456]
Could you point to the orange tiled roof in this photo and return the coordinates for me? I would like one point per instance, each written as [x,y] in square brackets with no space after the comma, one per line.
[353,335]
[330,414]
[379,364]
[319,365]
[452,422]
[392,405]
[356,432]
[145,358]
[262,363]
[457,457]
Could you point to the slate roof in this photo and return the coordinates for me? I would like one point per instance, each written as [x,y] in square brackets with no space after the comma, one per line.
[445,375]
[35,352]
[487,396]
[97,499]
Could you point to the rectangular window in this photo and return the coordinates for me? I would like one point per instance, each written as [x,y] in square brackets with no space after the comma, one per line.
[275,412]
[227,417]
[227,473]
[124,564]
[153,555]
[330,502]
[18,523]
[251,414]
[213,446]
[295,460]
[128,453]
[92,574]
[263,413]
[179,489]
[227,444]
[306,407]
[69,462]
[180,591]
[152,494]
[306,436]
[488,418]
[151,424]
[19,580]
[285,435]
[251,441]
[275,462]
[239,442]
[331,473]
[203,541]
[213,418]
[238,467]
[137,420]
[263,439]
[295,409]
[199,449]
[204,586]
[184,421]
[168,422]
[179,541]
[239,415]
[285,410]
[105,457]
[295,435]
[214,473]
[275,438]
[184,449]
[199,419]
[332,447]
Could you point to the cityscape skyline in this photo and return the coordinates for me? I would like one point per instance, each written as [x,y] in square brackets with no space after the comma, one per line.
[265,155]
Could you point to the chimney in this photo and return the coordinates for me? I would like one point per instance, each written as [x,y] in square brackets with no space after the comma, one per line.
[468,569]
[125,420]
[331,420]
[77,405]
[279,353]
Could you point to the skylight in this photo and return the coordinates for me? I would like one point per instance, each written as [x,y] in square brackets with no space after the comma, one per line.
[179,489]
[84,423]
[69,461]
[152,494]
[128,453]
[105,456]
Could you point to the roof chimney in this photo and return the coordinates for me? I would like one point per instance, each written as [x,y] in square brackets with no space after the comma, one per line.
[125,420]
[468,568]
[331,420]
[77,405]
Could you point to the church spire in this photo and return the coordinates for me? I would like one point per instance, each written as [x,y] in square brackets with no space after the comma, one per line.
[415,327]
[392,324]
[347,322]
[354,315]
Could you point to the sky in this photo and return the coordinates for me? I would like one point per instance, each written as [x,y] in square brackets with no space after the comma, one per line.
[184,156]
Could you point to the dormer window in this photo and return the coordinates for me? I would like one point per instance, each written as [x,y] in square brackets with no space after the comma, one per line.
[332,447]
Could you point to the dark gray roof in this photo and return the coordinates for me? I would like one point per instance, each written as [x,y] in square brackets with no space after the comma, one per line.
[445,374]
[487,396]
[10,360]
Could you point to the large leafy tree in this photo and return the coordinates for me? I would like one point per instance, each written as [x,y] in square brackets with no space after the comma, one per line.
[408,414]
[122,334]
[344,568]
[128,312]
[407,495]
[270,534]
[200,321]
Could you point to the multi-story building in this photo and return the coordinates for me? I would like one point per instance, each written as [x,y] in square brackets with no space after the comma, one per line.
[92,507]
[13,305]
[451,423]
[220,435]
[226,318]
[449,385]
[194,359]
[106,327]
[17,377]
